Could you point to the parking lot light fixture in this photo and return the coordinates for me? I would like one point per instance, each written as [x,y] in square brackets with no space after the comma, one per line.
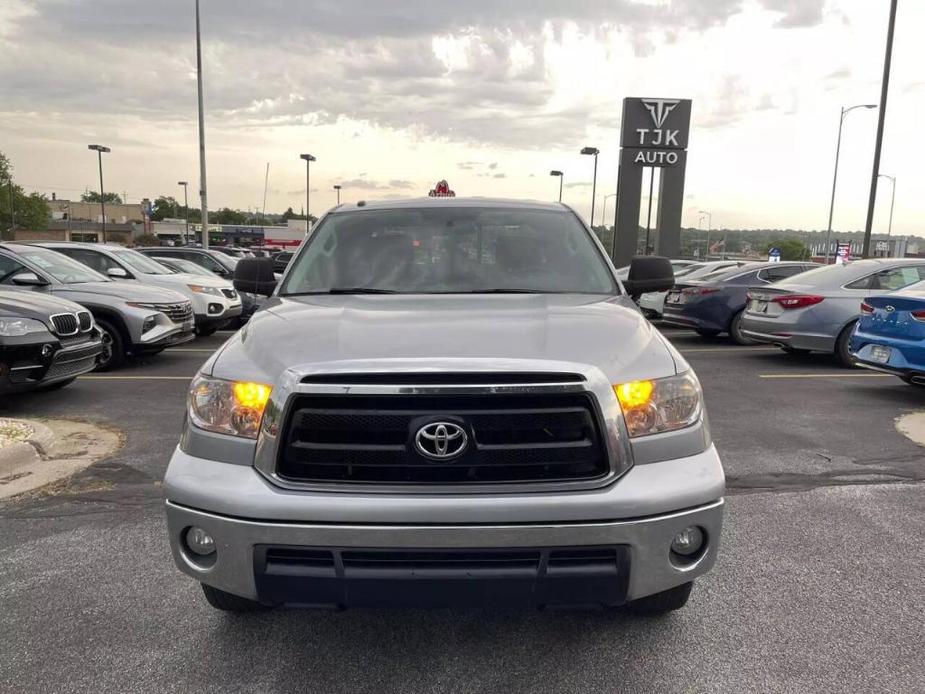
[185,184]
[892,180]
[99,149]
[337,188]
[308,162]
[561,176]
[592,151]
[841,120]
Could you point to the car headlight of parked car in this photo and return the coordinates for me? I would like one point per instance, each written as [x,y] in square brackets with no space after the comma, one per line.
[14,327]
[228,407]
[199,289]
[661,404]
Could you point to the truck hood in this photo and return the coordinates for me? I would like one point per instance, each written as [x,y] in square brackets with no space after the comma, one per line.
[127,291]
[483,332]
[30,304]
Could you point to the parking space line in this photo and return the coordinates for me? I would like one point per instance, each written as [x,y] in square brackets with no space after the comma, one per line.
[834,375]
[728,349]
[191,349]
[135,378]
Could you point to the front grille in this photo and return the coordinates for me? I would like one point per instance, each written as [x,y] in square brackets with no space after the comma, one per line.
[85,320]
[477,577]
[230,293]
[178,313]
[65,323]
[511,438]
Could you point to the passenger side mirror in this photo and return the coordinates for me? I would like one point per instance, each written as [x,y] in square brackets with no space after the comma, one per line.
[649,273]
[118,273]
[28,279]
[254,276]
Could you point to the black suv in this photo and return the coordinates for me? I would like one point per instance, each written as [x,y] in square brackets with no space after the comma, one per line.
[45,342]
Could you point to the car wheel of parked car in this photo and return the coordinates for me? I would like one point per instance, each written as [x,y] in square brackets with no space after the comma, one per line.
[113,353]
[205,332]
[666,601]
[735,330]
[795,350]
[228,602]
[706,333]
[841,346]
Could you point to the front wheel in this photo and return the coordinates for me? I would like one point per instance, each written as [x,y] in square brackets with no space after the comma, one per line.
[113,353]
[228,602]
[206,332]
[660,603]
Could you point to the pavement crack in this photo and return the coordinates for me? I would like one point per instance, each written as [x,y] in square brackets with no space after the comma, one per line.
[774,482]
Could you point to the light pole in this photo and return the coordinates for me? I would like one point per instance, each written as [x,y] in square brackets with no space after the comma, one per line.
[337,188]
[841,120]
[889,228]
[308,215]
[604,208]
[884,90]
[592,151]
[709,216]
[561,176]
[186,210]
[99,149]
[203,196]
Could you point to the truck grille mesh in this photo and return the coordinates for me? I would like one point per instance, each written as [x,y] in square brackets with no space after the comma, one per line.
[511,438]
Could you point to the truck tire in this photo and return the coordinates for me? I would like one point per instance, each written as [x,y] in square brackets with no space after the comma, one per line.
[228,602]
[113,347]
[659,603]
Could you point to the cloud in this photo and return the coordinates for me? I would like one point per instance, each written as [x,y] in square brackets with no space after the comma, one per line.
[370,184]
[797,14]
[500,175]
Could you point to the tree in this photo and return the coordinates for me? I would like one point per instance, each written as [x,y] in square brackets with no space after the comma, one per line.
[147,240]
[227,216]
[93,196]
[790,249]
[29,211]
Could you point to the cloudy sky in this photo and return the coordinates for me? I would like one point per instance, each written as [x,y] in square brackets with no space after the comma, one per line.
[489,94]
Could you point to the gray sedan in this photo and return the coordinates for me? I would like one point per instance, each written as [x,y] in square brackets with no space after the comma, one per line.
[817,310]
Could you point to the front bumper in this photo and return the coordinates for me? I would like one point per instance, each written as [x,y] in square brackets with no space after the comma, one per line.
[643,562]
[23,366]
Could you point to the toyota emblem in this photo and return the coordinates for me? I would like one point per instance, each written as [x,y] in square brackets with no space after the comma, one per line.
[441,440]
[889,309]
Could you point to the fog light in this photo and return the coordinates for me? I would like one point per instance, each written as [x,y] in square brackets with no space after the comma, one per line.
[47,350]
[149,323]
[688,541]
[215,308]
[199,541]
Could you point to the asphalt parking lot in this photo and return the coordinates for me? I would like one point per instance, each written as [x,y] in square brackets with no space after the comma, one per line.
[818,588]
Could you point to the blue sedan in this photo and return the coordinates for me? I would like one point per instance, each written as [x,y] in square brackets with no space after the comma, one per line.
[890,335]
[715,303]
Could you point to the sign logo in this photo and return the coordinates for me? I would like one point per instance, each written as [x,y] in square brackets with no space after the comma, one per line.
[889,309]
[659,109]
[442,190]
[441,440]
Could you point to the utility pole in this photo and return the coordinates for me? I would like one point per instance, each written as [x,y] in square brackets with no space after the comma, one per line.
[266,182]
[884,89]
[99,149]
[309,158]
[9,181]
[204,198]
[186,211]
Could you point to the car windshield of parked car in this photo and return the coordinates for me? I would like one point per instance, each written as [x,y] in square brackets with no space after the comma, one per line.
[185,266]
[142,263]
[688,270]
[226,260]
[449,250]
[59,267]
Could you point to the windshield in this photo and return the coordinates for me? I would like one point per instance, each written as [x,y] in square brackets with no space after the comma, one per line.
[142,263]
[189,267]
[59,267]
[450,250]
[228,261]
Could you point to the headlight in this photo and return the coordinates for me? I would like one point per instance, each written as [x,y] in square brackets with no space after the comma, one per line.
[14,327]
[662,404]
[228,407]
[199,289]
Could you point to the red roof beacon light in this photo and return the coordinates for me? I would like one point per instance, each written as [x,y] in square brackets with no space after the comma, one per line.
[442,190]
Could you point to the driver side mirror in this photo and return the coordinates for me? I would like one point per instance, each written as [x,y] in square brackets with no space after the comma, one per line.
[255,276]
[649,273]
[28,279]
[118,273]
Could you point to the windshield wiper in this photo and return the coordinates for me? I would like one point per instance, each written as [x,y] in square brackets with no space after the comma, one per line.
[358,290]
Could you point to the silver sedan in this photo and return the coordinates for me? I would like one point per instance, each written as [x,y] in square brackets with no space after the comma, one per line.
[817,310]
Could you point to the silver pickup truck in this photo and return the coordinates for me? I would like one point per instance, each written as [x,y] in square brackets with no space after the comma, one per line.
[447,402]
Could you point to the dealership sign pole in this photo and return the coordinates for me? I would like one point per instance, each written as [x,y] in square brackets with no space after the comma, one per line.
[654,134]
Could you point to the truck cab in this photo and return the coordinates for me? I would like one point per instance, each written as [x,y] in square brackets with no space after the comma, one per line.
[447,401]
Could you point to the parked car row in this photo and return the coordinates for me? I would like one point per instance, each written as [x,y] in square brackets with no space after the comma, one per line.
[868,313]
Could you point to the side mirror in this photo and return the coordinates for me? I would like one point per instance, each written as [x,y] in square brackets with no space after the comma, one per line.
[254,276]
[118,273]
[28,279]
[649,273]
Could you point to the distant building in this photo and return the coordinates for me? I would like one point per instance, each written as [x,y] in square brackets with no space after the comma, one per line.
[74,220]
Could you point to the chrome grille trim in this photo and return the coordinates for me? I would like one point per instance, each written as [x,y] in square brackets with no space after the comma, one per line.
[65,324]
